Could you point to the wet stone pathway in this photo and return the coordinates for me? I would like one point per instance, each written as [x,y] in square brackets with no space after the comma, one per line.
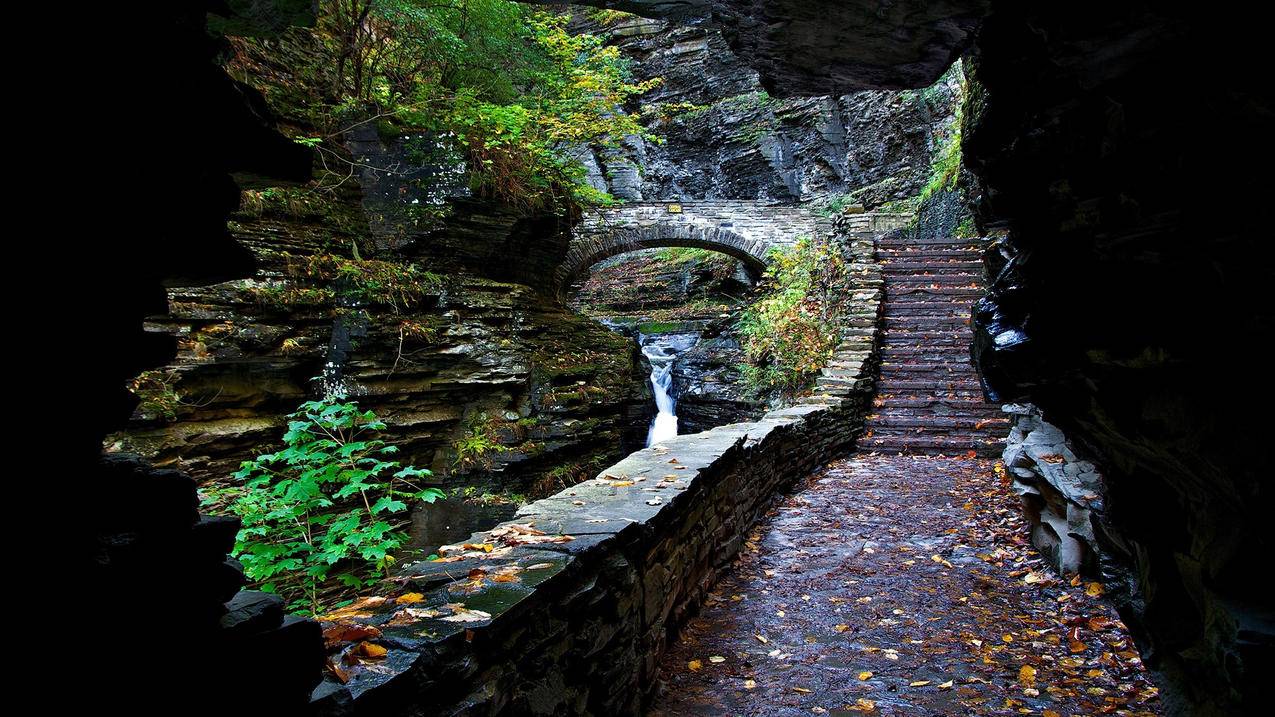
[901,585]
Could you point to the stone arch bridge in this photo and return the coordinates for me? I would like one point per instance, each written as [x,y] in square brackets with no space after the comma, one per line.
[746,230]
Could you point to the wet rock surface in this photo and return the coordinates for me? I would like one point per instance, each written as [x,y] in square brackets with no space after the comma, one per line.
[901,585]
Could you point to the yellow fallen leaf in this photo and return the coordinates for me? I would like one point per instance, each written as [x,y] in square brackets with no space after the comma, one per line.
[919,683]
[694,665]
[1049,713]
[1027,675]
[841,628]
[409,598]
[865,675]
[761,639]
[370,649]
[802,690]
[1093,589]
[862,705]
[945,685]
[716,659]
[749,684]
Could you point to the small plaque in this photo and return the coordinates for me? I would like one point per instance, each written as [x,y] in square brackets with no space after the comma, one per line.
[674,208]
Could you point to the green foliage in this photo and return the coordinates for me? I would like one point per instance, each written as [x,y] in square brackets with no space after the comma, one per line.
[790,331]
[324,507]
[660,327]
[945,164]
[157,395]
[507,83]
[320,279]
[945,167]
[474,449]
[607,17]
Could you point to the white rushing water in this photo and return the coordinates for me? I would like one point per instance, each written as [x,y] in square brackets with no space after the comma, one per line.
[662,350]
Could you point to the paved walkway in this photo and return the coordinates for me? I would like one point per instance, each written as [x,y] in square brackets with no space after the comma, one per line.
[899,581]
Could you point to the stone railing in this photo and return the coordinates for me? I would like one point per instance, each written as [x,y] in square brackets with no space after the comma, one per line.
[568,608]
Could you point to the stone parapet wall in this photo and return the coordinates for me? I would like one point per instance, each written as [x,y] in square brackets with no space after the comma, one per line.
[582,592]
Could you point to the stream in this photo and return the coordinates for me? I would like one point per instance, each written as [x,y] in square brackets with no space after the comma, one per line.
[662,351]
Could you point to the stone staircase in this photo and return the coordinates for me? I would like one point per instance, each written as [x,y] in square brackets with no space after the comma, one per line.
[928,397]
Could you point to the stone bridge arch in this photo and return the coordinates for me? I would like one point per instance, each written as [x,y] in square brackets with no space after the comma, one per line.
[744,229]
[594,247]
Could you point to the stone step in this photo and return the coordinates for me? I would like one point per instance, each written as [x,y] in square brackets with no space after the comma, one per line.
[988,424]
[930,447]
[899,310]
[971,255]
[949,279]
[917,292]
[893,266]
[947,404]
[897,336]
[937,242]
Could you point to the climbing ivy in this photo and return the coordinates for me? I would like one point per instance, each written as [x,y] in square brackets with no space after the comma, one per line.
[327,507]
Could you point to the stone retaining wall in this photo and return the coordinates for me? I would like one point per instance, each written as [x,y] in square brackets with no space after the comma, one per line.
[579,595]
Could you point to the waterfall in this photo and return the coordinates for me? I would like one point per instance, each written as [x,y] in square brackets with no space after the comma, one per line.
[662,351]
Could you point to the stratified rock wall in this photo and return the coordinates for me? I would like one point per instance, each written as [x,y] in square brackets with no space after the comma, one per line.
[727,137]
[474,354]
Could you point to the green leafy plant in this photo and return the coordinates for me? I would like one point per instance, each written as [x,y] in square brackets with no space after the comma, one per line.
[789,332]
[324,507]
[475,447]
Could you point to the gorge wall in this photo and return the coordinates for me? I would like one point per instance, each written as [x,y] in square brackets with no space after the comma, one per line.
[459,342]
[727,137]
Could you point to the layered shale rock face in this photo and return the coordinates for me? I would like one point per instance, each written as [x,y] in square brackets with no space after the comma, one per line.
[467,353]
[809,48]
[728,137]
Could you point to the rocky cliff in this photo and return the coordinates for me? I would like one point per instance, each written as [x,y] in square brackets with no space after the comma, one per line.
[726,136]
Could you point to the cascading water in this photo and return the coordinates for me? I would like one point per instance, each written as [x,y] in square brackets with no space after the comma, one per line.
[662,350]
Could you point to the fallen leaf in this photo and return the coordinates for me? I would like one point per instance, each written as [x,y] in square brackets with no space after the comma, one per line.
[348,632]
[865,675]
[919,683]
[463,614]
[409,598]
[694,665]
[1027,675]
[369,650]
[749,684]
[716,659]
